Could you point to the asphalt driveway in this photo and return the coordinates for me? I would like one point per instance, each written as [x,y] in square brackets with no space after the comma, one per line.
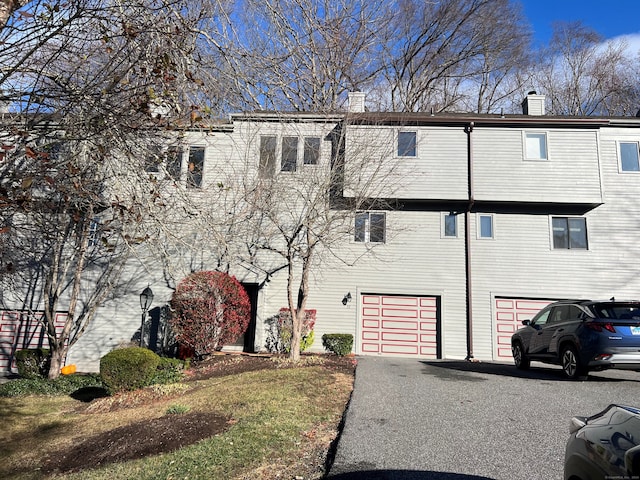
[457,420]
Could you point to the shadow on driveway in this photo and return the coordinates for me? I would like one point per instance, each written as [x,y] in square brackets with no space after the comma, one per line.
[403,475]
[457,369]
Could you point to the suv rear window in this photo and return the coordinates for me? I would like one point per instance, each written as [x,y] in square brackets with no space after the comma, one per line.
[617,311]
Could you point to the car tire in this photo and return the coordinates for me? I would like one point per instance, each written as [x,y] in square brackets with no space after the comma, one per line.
[519,357]
[571,366]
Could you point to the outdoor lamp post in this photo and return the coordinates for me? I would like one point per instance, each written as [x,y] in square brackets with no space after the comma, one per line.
[146,297]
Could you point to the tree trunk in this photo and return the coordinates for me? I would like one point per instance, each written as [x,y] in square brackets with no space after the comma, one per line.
[58,354]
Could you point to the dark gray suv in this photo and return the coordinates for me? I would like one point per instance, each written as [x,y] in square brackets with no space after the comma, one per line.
[581,335]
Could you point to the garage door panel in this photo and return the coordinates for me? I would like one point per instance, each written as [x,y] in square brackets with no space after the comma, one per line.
[399,337]
[399,349]
[393,325]
[400,313]
[402,325]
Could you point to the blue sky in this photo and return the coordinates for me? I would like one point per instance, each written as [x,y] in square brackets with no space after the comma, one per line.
[610,18]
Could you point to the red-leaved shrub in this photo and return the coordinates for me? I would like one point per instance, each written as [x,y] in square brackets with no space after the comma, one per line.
[210,310]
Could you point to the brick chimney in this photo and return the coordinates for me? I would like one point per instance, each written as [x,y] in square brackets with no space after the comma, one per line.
[533,104]
[356,102]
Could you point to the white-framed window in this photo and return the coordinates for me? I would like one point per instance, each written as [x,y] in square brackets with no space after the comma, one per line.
[407,144]
[267,167]
[94,232]
[485,225]
[629,157]
[535,146]
[174,162]
[370,227]
[311,151]
[195,167]
[449,225]
[569,233]
[289,158]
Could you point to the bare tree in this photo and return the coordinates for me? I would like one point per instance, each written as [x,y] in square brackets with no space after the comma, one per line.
[581,74]
[302,55]
[90,86]
[448,53]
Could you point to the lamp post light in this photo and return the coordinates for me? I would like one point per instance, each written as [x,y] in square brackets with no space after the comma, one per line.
[146,297]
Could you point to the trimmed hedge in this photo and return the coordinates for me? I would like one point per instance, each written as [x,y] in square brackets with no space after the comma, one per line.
[338,343]
[33,363]
[128,369]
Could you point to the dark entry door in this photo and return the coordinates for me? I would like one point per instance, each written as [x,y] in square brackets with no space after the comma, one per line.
[250,334]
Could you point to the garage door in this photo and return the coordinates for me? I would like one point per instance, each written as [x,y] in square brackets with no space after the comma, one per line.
[399,325]
[20,330]
[508,316]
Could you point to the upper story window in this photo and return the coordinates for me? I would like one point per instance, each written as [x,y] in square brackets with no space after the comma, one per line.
[407,144]
[289,154]
[370,227]
[449,225]
[535,146]
[311,150]
[195,167]
[629,158]
[485,226]
[569,233]
[267,156]
[174,162]
[94,232]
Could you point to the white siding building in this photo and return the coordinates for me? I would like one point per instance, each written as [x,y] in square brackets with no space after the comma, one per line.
[485,219]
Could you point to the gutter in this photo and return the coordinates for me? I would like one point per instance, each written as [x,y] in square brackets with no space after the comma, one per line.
[467,242]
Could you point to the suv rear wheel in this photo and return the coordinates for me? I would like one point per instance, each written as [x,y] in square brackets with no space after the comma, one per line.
[571,365]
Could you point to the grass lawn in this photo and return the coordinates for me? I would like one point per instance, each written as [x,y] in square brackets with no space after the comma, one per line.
[248,421]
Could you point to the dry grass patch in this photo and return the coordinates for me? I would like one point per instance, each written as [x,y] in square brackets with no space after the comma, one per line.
[261,422]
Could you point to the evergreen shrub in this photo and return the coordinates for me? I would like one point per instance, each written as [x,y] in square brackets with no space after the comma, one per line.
[128,369]
[338,343]
[33,363]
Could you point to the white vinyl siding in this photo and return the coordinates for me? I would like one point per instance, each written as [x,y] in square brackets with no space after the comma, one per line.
[572,175]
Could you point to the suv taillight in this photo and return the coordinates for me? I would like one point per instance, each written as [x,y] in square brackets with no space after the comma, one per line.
[598,327]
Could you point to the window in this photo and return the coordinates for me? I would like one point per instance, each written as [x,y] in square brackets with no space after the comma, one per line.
[267,157]
[449,225]
[94,232]
[174,162]
[289,154]
[406,144]
[311,150]
[535,146]
[195,168]
[569,233]
[485,226]
[370,227]
[629,160]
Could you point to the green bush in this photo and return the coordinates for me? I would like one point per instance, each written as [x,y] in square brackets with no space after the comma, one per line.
[170,370]
[338,343]
[63,385]
[33,363]
[128,369]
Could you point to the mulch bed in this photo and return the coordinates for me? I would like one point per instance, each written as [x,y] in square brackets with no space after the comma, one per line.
[160,435]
